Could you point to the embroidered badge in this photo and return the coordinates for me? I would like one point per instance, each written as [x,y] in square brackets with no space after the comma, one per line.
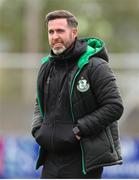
[83,85]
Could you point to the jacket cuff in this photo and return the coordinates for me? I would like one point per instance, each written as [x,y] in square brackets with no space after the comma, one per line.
[34,131]
[83,130]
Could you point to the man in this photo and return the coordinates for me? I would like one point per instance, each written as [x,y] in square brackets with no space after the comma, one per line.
[77,105]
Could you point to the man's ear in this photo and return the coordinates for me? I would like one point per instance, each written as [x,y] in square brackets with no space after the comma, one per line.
[75,32]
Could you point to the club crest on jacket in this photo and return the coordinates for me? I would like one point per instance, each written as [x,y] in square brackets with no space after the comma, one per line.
[83,85]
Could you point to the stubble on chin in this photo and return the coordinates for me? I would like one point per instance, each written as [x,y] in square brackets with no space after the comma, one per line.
[58,51]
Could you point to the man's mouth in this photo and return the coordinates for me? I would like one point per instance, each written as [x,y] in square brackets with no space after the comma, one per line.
[58,44]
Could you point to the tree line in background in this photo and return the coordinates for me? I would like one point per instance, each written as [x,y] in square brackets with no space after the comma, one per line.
[22,27]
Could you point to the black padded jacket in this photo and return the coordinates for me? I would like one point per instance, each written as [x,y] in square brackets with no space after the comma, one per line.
[95,107]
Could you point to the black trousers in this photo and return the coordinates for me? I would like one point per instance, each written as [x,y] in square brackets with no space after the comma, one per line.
[67,166]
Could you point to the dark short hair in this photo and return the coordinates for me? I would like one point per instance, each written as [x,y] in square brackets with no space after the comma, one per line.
[59,14]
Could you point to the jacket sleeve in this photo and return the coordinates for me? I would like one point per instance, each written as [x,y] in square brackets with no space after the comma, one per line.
[110,107]
[36,120]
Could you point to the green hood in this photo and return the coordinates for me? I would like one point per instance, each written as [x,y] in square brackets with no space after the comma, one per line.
[95,43]
[95,48]
[98,47]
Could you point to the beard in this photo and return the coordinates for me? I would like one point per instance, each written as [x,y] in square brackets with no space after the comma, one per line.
[58,51]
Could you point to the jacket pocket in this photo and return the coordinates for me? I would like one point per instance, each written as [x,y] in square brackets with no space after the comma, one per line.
[95,147]
[64,138]
[43,135]
[110,139]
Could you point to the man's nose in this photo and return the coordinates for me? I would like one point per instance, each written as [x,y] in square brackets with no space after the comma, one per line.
[55,35]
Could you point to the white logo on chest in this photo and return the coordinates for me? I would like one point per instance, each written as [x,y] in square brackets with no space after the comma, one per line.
[83,85]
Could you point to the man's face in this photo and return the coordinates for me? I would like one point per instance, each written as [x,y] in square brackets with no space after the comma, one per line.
[60,35]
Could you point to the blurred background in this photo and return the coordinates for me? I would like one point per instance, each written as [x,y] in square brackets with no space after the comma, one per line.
[23,41]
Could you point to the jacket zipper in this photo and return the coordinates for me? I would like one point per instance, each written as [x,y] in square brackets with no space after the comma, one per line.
[82,151]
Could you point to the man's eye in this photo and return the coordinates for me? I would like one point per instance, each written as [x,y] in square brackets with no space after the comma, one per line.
[51,32]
